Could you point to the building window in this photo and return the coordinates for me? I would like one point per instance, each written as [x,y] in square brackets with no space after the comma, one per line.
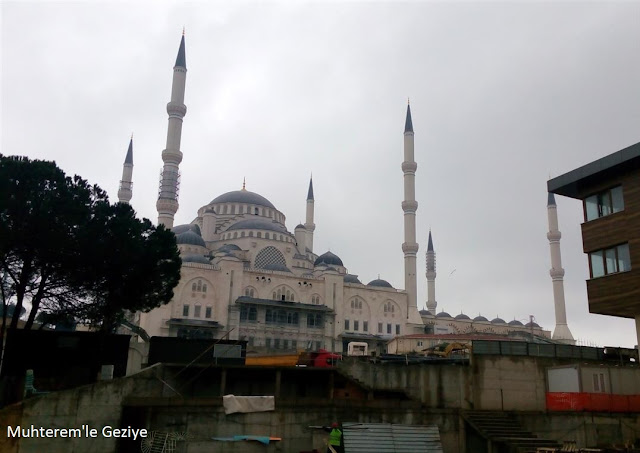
[276,343]
[379,327]
[207,312]
[294,344]
[397,329]
[389,307]
[356,325]
[315,320]
[196,311]
[248,313]
[610,261]
[199,287]
[249,292]
[251,341]
[267,343]
[388,328]
[357,304]
[346,324]
[598,383]
[604,203]
[419,343]
[365,326]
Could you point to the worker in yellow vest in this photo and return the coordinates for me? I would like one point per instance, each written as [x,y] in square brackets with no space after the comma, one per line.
[335,439]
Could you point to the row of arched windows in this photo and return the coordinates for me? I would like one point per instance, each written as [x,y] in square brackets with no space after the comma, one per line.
[389,307]
[248,209]
[283,294]
[257,234]
[199,287]
[356,304]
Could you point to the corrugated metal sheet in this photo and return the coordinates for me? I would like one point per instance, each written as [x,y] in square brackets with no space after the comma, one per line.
[388,438]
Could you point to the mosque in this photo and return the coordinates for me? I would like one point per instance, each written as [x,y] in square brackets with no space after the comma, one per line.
[246,276]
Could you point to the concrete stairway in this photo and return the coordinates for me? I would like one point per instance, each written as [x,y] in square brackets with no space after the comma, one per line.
[504,432]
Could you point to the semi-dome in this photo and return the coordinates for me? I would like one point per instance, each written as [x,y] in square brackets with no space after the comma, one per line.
[425,313]
[443,314]
[195,259]
[498,321]
[300,226]
[179,229]
[329,259]
[379,282]
[515,322]
[480,319]
[243,196]
[229,248]
[189,237]
[532,324]
[276,267]
[258,223]
[462,316]
[350,278]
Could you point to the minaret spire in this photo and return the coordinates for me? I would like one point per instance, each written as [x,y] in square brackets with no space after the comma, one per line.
[409,206]
[431,277]
[309,225]
[125,191]
[561,332]
[167,204]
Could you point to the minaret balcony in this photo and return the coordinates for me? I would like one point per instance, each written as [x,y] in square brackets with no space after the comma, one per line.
[554,236]
[409,167]
[175,109]
[410,206]
[556,274]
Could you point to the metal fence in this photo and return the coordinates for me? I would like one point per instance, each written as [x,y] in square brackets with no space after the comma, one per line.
[520,348]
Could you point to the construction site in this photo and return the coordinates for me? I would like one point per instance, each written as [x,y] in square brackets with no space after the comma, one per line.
[484,397]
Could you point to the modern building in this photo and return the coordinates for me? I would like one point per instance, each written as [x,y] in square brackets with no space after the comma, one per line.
[610,192]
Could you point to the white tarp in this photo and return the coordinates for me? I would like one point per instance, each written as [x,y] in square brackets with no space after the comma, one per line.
[233,404]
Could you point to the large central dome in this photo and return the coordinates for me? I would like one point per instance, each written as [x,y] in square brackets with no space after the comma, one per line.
[243,196]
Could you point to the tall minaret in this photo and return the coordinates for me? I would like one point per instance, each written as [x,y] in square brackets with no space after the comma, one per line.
[409,206]
[125,191]
[308,224]
[167,204]
[431,277]
[561,332]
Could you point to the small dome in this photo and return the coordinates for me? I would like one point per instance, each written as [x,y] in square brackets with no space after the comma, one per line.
[462,316]
[515,322]
[192,258]
[189,237]
[350,278]
[532,324]
[480,319]
[498,321]
[380,283]
[228,248]
[328,258]
[425,313]
[179,229]
[243,196]
[300,226]
[443,314]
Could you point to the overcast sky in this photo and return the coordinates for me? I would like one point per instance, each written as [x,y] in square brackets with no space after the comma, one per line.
[503,96]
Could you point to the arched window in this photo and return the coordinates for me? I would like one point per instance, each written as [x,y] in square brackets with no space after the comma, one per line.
[249,292]
[199,286]
[280,237]
[266,235]
[250,234]
[255,211]
[242,234]
[235,235]
[259,234]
